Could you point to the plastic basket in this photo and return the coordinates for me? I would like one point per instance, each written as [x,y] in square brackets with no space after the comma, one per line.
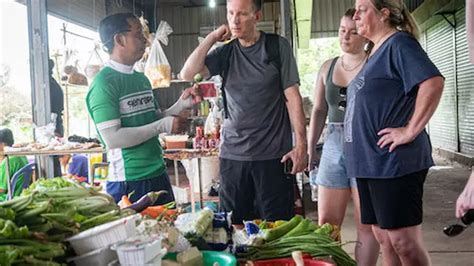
[97,258]
[139,254]
[210,258]
[104,235]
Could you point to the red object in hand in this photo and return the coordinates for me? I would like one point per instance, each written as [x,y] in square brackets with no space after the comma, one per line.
[208,89]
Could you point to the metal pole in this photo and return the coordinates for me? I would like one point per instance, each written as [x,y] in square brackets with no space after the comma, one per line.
[38,40]
[285,19]
[176,174]
[9,178]
[200,182]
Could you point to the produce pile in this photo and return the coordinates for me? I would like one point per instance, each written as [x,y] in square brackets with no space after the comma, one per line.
[281,238]
[49,211]
[145,206]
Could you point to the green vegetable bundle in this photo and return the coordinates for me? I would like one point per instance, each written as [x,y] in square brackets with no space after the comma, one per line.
[23,251]
[317,245]
[7,213]
[10,230]
[50,209]
[60,208]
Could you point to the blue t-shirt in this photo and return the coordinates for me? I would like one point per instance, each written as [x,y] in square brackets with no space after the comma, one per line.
[79,166]
[383,95]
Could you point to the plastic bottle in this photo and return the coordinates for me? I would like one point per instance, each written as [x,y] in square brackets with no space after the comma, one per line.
[197,141]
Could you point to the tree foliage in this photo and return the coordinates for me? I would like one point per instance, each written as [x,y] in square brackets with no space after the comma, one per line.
[15,110]
[311,59]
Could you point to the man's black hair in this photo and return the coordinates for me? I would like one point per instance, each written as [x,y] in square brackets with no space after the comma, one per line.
[111,25]
[6,136]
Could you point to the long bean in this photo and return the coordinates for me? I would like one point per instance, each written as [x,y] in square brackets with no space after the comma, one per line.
[317,245]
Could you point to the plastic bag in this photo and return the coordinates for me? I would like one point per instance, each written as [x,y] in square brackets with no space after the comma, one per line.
[209,172]
[45,134]
[94,64]
[69,65]
[140,64]
[213,120]
[157,68]
[70,69]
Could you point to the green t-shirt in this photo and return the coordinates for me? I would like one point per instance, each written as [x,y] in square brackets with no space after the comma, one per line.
[114,95]
[15,164]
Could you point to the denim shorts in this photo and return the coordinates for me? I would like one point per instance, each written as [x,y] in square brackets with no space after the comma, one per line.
[332,169]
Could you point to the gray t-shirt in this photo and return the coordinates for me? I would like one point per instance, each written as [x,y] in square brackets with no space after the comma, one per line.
[258,126]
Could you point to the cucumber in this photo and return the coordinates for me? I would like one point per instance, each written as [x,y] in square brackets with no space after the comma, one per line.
[302,228]
[325,229]
[275,233]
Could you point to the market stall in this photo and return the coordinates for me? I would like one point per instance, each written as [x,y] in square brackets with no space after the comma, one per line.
[58,221]
[45,152]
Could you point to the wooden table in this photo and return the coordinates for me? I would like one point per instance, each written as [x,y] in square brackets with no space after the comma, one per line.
[43,153]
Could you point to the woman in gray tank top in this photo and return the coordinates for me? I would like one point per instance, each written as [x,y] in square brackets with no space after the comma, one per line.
[334,187]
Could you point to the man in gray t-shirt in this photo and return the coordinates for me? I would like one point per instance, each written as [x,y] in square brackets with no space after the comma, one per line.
[262,99]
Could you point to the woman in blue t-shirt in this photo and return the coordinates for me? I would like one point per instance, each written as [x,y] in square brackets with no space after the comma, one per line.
[334,187]
[387,148]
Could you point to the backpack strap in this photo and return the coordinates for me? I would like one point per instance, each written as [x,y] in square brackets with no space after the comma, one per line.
[272,46]
[226,52]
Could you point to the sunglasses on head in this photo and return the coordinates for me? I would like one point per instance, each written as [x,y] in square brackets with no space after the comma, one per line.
[342,104]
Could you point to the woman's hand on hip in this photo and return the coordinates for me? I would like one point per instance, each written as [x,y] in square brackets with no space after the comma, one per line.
[394,137]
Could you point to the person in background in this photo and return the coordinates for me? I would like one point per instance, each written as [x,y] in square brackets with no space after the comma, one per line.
[334,187]
[126,115]
[15,163]
[387,149]
[57,100]
[57,107]
[263,102]
[76,165]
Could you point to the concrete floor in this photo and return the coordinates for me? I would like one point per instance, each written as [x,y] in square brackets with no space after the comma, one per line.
[442,187]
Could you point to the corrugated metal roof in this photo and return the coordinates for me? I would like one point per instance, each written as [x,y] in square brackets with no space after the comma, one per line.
[327,14]
[326,17]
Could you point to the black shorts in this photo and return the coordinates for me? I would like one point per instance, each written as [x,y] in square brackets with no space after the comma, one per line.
[392,203]
[256,189]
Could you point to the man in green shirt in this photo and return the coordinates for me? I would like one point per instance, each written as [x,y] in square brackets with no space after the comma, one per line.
[15,163]
[125,112]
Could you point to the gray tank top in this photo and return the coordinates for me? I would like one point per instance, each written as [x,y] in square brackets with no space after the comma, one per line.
[335,96]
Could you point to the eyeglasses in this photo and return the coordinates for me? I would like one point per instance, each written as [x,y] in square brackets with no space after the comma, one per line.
[343,94]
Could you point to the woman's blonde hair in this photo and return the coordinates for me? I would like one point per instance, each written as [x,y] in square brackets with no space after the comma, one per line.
[400,17]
